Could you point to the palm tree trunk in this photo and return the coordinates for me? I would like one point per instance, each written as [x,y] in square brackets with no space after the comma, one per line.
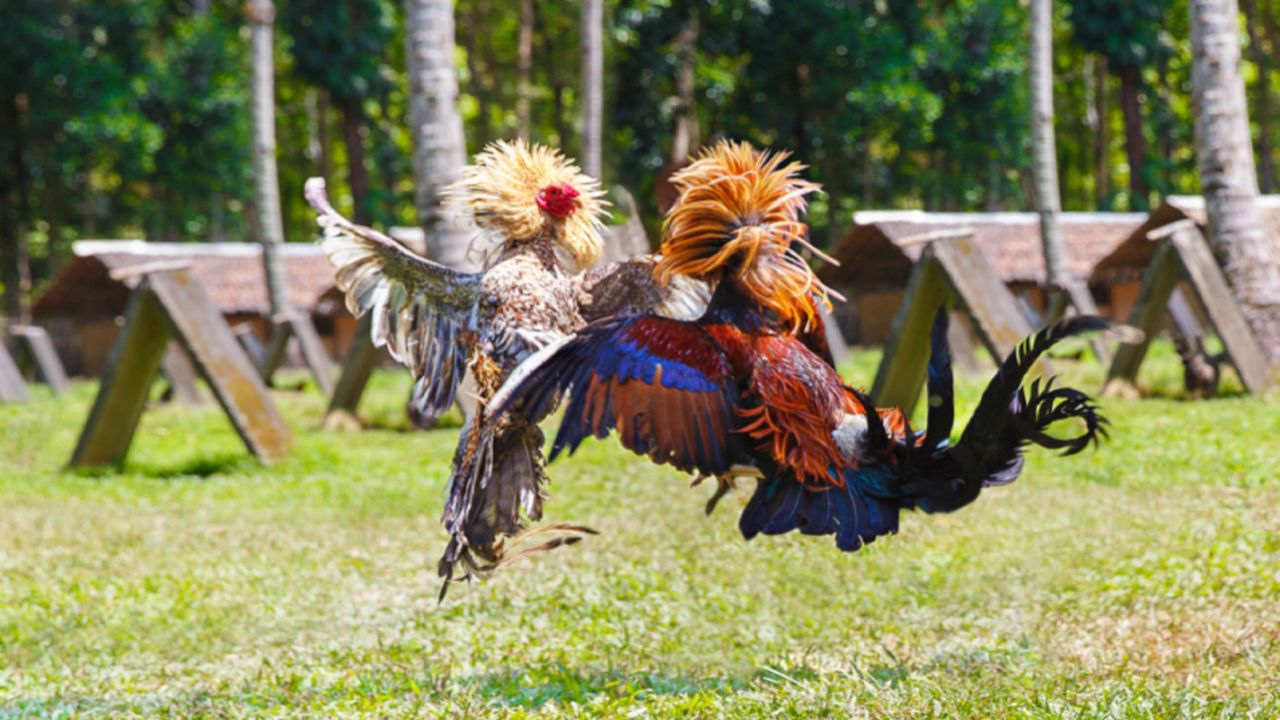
[1225,156]
[439,147]
[1261,58]
[1101,137]
[475,27]
[684,140]
[592,85]
[261,14]
[357,168]
[1135,140]
[1043,143]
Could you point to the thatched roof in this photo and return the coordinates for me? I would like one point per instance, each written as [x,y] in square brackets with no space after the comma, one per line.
[231,273]
[880,249]
[1129,260]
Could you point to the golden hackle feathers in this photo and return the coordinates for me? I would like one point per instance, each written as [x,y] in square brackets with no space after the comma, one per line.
[737,216]
[500,189]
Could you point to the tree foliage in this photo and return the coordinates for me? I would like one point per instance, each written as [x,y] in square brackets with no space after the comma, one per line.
[129,118]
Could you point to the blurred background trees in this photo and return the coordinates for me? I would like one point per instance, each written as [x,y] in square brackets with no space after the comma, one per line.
[129,118]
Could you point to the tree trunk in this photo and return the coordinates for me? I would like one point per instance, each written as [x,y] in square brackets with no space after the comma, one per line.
[16,273]
[1261,58]
[262,15]
[318,131]
[592,85]
[558,109]
[357,168]
[524,69]
[1225,156]
[684,140]
[475,77]
[1135,140]
[1101,137]
[1043,144]
[439,147]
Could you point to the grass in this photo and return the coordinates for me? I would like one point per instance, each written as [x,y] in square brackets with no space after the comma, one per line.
[1139,581]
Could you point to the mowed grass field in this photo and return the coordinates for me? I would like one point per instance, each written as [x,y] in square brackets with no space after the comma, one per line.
[1138,581]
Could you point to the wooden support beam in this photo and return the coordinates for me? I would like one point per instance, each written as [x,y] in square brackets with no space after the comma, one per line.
[906,351]
[39,347]
[952,272]
[125,384]
[168,304]
[1079,298]
[1210,286]
[835,339]
[356,369]
[1184,317]
[982,295]
[964,345]
[1148,313]
[13,388]
[313,352]
[298,326]
[252,346]
[276,349]
[181,373]
[1183,252]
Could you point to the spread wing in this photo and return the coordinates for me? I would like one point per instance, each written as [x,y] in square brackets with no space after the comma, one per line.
[627,287]
[418,308]
[663,384]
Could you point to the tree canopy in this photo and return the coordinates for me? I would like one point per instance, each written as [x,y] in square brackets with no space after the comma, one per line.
[129,118]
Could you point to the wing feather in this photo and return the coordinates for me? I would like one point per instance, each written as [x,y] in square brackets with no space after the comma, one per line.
[662,384]
[417,308]
[628,287]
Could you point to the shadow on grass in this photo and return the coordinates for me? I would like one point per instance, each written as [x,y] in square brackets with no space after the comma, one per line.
[197,467]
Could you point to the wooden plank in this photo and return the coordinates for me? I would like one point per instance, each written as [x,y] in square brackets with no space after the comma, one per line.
[249,341]
[983,296]
[40,348]
[277,348]
[313,351]
[1081,299]
[234,381]
[13,387]
[835,339]
[1184,317]
[1211,288]
[181,374]
[356,369]
[951,271]
[906,351]
[964,344]
[1148,313]
[125,384]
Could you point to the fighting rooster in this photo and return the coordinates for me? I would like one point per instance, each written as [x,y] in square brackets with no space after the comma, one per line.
[738,387]
[540,219]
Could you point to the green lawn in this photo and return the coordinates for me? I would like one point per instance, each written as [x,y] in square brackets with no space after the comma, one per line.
[1142,580]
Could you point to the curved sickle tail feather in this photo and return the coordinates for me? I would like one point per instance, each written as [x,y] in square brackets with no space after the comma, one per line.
[1008,417]
[927,473]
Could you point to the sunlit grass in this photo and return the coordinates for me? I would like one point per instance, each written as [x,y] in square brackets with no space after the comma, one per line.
[1142,580]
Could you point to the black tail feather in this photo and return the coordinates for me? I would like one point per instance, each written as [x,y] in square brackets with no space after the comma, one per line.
[941,386]
[781,504]
[1008,418]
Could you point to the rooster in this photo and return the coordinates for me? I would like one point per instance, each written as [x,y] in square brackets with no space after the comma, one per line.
[541,222]
[737,387]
